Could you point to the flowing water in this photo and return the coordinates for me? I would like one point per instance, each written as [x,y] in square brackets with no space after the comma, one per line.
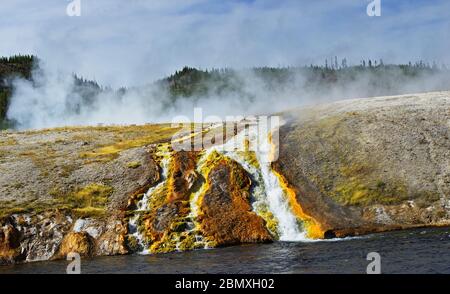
[267,190]
[409,251]
[268,198]
[142,205]
[421,250]
[288,224]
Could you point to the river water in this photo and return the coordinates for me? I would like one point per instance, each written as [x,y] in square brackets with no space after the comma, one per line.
[410,251]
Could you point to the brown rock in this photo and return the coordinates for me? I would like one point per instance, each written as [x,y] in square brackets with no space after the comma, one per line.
[171,205]
[80,243]
[9,244]
[182,175]
[112,242]
[226,215]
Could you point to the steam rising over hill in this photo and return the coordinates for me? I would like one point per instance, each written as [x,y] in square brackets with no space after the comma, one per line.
[47,98]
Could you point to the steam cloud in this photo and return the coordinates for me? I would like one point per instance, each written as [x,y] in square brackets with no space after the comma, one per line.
[52,99]
[132,42]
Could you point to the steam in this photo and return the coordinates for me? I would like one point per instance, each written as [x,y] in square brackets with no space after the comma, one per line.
[162,36]
[53,98]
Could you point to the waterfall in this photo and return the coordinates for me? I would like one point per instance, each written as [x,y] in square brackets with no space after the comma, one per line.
[268,198]
[267,191]
[192,225]
[142,205]
[289,227]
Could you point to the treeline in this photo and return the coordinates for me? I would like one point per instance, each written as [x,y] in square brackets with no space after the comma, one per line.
[21,66]
[191,82]
[376,77]
[11,67]
[382,78]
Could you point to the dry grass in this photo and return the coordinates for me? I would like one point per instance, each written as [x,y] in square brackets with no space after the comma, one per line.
[129,137]
[134,164]
[8,141]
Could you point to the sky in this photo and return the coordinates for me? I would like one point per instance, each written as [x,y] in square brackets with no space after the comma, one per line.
[134,42]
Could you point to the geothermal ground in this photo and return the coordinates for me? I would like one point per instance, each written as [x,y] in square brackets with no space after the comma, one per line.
[348,168]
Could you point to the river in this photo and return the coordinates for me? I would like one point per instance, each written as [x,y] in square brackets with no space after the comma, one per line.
[411,251]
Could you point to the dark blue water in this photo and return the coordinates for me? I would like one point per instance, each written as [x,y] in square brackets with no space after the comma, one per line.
[410,251]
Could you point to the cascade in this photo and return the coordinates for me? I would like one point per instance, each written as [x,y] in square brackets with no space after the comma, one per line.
[268,198]
[267,190]
[142,205]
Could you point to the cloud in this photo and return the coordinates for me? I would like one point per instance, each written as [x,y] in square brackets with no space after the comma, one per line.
[135,42]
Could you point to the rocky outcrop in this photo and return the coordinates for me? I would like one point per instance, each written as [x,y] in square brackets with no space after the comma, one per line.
[182,175]
[200,205]
[80,243]
[164,216]
[54,234]
[226,215]
[107,236]
[9,244]
[38,236]
[62,183]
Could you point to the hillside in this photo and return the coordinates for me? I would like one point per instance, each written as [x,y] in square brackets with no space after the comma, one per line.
[379,79]
[362,165]
[345,168]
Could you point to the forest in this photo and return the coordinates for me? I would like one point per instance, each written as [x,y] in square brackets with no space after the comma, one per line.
[189,82]
[10,68]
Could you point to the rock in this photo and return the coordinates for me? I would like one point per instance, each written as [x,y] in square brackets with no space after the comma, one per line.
[41,234]
[182,175]
[50,235]
[165,215]
[226,216]
[112,242]
[73,242]
[9,244]
[91,226]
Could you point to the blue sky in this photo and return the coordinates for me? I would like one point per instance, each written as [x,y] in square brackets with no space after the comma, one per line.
[136,41]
